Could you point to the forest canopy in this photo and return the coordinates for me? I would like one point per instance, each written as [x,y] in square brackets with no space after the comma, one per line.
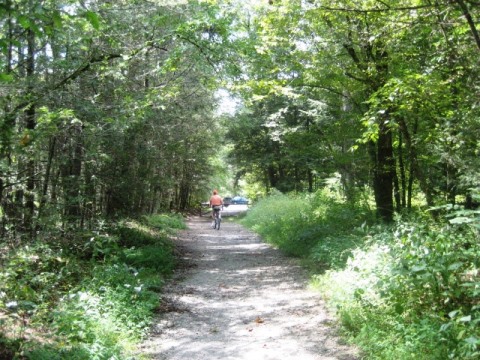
[108,108]
[384,94]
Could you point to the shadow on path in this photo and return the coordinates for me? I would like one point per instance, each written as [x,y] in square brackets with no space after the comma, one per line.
[238,298]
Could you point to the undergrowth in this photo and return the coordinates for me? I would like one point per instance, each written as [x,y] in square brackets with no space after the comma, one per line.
[297,223]
[89,296]
[409,290]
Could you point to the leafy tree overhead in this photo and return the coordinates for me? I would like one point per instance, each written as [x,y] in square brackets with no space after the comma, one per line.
[395,77]
[108,108]
[377,92]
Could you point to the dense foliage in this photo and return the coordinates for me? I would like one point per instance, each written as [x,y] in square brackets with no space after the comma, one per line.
[383,97]
[385,94]
[93,299]
[404,291]
[98,120]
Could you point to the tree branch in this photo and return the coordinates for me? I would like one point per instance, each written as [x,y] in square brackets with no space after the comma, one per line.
[75,74]
[366,11]
[470,21]
[84,68]
[10,116]
[201,49]
[351,76]
[318,86]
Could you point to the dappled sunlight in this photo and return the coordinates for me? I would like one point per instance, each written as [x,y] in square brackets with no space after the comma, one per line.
[242,300]
[247,248]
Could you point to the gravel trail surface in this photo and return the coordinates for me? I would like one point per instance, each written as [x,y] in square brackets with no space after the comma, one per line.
[234,297]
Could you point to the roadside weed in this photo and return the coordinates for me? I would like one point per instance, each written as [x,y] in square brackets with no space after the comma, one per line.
[97,293]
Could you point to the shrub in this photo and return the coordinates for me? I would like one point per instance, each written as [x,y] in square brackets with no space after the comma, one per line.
[159,258]
[165,222]
[280,220]
[411,291]
[408,291]
[134,234]
[95,299]
[313,226]
[35,276]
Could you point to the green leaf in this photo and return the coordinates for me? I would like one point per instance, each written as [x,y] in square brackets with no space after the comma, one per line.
[452,314]
[6,77]
[93,19]
[455,266]
[57,19]
[419,268]
[472,340]
[4,46]
[24,21]
[461,220]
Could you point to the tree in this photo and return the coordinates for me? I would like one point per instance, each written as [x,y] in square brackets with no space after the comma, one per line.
[364,62]
[104,123]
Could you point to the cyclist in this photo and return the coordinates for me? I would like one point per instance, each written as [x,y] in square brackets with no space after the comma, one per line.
[216,203]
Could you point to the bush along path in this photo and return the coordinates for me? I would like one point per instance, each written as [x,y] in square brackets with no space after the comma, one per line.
[235,297]
[85,295]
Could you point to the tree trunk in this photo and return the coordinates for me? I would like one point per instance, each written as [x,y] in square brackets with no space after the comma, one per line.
[7,123]
[71,172]
[89,202]
[470,21]
[410,187]
[401,167]
[43,198]
[451,183]
[30,126]
[397,192]
[310,180]
[384,173]
[415,170]
[272,177]
[383,164]
[2,218]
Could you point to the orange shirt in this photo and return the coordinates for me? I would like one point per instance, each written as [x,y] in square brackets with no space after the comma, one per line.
[216,200]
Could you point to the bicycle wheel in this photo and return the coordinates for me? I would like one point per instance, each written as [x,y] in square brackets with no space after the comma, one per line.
[218,220]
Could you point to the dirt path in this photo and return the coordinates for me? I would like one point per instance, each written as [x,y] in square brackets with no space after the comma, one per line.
[237,298]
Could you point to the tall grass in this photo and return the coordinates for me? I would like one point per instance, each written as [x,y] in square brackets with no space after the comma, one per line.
[318,227]
[409,290]
[94,300]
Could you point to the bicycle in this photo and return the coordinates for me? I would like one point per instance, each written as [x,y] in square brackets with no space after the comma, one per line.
[217,217]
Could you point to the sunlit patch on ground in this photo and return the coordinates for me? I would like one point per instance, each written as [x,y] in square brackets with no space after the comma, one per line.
[241,299]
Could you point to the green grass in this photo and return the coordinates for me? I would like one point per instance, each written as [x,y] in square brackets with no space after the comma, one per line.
[317,226]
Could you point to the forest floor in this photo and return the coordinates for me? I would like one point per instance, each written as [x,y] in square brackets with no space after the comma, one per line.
[235,297]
